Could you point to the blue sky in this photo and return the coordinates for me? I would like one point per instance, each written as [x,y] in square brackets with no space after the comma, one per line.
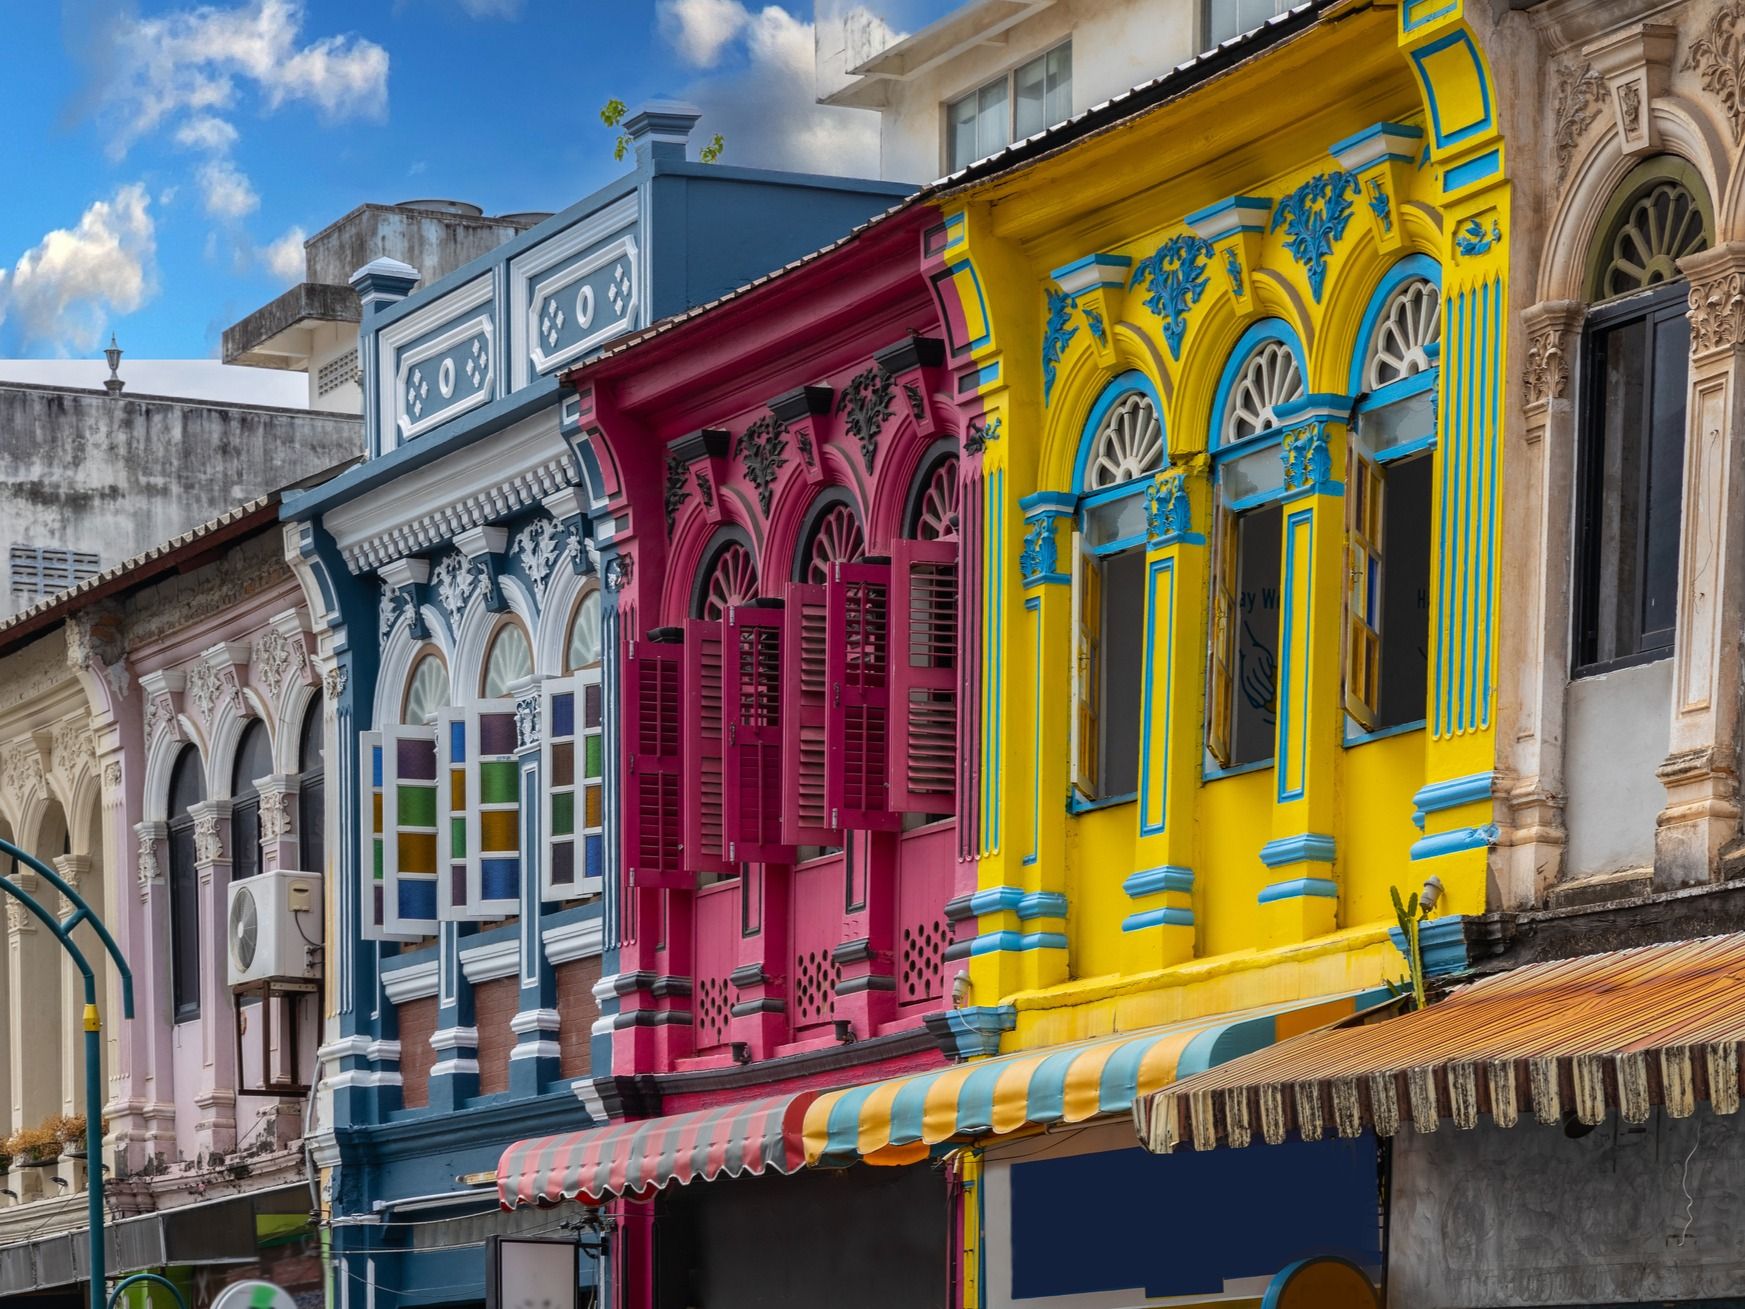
[165,159]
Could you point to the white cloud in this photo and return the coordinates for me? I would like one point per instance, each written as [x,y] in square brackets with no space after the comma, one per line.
[62,291]
[193,61]
[284,258]
[226,191]
[206,132]
[761,101]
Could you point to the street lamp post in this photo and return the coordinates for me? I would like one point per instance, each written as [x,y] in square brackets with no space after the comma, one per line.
[63,931]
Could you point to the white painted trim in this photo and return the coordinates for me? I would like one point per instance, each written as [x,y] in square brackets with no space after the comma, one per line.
[577,940]
[459,301]
[535,1020]
[454,1038]
[344,1081]
[384,1052]
[486,963]
[529,264]
[345,1046]
[455,1068]
[412,982]
[534,1050]
[583,1089]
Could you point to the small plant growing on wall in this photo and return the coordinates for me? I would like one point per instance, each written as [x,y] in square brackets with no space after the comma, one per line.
[69,1129]
[612,114]
[33,1147]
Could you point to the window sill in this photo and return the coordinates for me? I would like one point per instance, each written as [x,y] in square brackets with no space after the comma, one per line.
[1077,804]
[1618,665]
[1354,739]
[1236,770]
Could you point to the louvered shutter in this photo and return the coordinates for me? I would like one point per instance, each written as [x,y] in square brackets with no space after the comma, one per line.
[705,787]
[923,645]
[653,764]
[752,749]
[858,727]
[373,856]
[451,815]
[1363,507]
[409,786]
[494,817]
[805,702]
[1087,667]
[1222,674]
[572,769]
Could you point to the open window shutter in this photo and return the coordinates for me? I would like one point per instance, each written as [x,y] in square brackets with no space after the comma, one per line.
[372,858]
[753,744]
[572,766]
[924,677]
[494,817]
[1363,506]
[1220,694]
[1087,617]
[653,764]
[704,796]
[409,785]
[858,727]
[805,699]
[451,815]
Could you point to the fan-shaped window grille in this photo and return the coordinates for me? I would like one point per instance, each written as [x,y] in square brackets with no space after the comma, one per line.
[836,538]
[1660,224]
[936,510]
[583,649]
[732,580]
[510,661]
[1128,445]
[426,691]
[1410,324]
[1269,379]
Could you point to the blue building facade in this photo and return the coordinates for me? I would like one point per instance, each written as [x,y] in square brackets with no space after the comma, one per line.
[463,588]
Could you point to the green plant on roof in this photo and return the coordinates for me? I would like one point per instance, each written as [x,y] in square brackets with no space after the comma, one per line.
[1411,913]
[612,114]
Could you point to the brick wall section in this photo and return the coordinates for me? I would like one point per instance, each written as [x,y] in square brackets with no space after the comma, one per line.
[417,1021]
[577,1010]
[494,1004]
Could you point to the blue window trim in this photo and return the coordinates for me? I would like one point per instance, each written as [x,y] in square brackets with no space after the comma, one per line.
[1354,739]
[1078,804]
[1218,774]
[1406,450]
[1267,329]
[1117,388]
[1401,271]
[1117,547]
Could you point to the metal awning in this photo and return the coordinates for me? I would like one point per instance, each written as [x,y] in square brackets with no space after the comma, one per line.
[898,1120]
[1661,1025]
[628,1157]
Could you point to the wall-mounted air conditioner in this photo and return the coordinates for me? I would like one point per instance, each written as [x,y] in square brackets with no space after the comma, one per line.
[275,928]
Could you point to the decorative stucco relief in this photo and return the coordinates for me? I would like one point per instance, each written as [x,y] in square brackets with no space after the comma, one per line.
[1580,94]
[1717,313]
[1717,55]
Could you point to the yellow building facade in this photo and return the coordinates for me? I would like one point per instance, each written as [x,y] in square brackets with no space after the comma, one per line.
[1239,359]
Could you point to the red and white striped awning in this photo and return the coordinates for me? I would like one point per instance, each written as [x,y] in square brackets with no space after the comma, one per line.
[625,1158]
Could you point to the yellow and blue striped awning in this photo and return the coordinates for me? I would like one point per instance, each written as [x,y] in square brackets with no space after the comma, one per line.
[898,1120]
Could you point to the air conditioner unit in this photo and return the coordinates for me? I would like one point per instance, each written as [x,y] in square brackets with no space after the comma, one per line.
[275,928]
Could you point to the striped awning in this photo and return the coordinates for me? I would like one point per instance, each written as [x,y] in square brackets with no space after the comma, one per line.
[1660,1025]
[625,1158]
[896,1121]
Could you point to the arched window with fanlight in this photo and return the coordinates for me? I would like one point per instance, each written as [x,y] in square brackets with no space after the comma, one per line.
[1262,382]
[311,792]
[254,760]
[1388,500]
[728,577]
[1121,450]
[187,789]
[1630,462]
[426,690]
[508,661]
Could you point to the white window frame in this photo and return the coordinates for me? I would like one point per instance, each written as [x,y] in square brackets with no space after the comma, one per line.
[1009,79]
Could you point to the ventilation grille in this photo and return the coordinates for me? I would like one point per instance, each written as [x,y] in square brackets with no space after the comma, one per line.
[336,373]
[39,571]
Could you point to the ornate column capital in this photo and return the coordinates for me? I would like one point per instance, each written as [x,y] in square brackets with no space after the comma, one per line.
[1717,299]
[209,817]
[1551,327]
[147,870]
[72,868]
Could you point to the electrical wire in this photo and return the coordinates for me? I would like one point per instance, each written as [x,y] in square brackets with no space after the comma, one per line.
[1690,1202]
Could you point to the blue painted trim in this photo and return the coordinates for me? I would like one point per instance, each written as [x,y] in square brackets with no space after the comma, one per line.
[1041,503]
[1443,138]
[1152,880]
[1476,169]
[1013,899]
[1404,389]
[1245,203]
[1042,904]
[1308,847]
[1014,942]
[1107,494]
[1288,744]
[1327,405]
[1273,436]
[1377,129]
[1300,888]
[1047,579]
[1139,922]
[1441,945]
[1237,770]
[1078,804]
[1401,270]
[1435,797]
[1122,262]
[1033,605]
[1352,741]
[1118,387]
[1267,329]
[1121,545]
[1461,838]
[1406,449]
[1153,824]
[976,1031]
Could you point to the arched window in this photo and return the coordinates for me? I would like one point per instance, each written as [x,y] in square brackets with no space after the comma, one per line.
[833,536]
[311,793]
[426,690]
[508,661]
[933,512]
[1122,448]
[729,578]
[1262,383]
[1388,494]
[254,760]
[1630,462]
[582,649]
[187,788]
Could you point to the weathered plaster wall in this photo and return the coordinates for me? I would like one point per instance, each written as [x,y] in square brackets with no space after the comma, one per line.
[79,469]
[1527,1216]
[1616,726]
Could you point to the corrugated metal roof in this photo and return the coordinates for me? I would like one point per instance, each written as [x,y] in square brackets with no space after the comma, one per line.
[1660,1025]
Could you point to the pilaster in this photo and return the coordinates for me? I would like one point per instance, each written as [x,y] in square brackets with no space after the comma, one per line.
[215,1092]
[75,870]
[278,799]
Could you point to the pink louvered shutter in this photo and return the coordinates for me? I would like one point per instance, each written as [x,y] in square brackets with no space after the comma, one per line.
[705,841]
[805,699]
[858,725]
[653,763]
[924,677]
[753,746]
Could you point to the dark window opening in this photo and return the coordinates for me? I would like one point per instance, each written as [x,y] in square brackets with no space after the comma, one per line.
[1256,541]
[311,794]
[1405,603]
[254,760]
[1123,641]
[187,787]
